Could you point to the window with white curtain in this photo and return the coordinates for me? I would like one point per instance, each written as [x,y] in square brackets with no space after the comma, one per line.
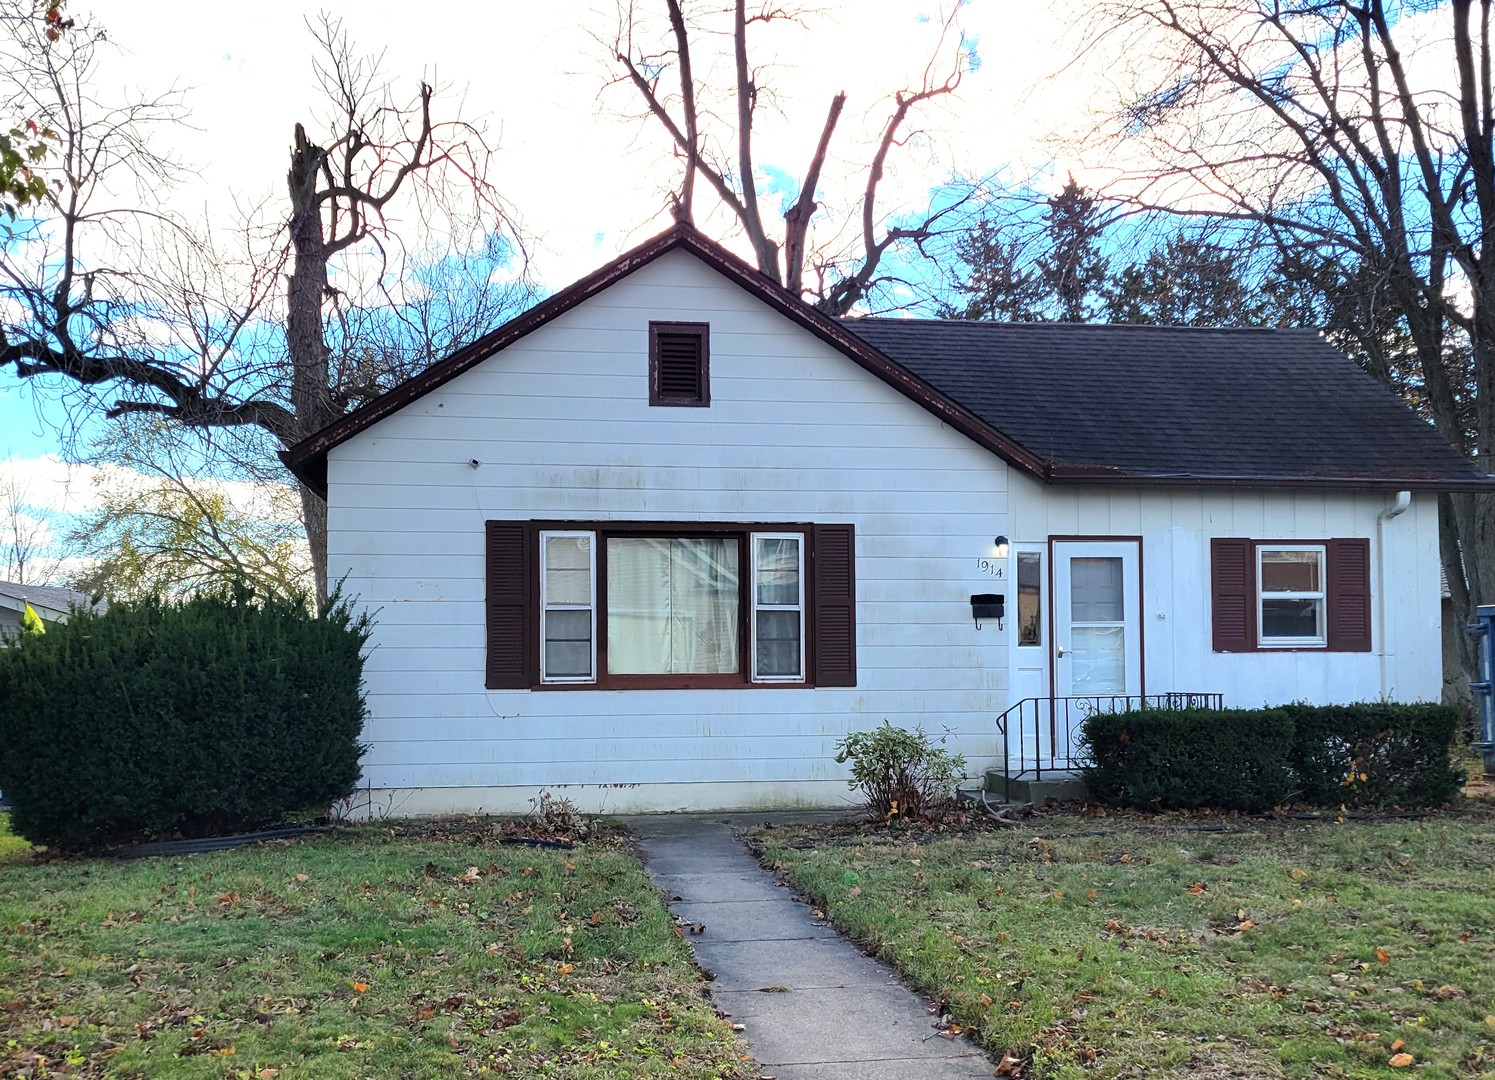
[631,607]
[673,605]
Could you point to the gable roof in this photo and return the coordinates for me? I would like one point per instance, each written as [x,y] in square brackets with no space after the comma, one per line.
[308,458]
[1053,400]
[1156,404]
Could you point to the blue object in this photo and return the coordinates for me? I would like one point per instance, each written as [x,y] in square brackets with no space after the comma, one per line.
[1483,627]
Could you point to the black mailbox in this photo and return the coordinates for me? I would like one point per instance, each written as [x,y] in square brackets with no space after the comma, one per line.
[988,606]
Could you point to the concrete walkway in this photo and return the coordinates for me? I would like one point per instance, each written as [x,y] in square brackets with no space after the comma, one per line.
[813,1006]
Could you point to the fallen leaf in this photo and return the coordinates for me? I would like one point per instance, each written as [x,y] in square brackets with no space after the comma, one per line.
[360,987]
[299,877]
[1401,1061]
[565,969]
[1009,1065]
[470,876]
[1383,956]
[1198,888]
[1398,1045]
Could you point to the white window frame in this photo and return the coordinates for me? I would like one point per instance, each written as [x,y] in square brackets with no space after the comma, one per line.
[546,605]
[1321,641]
[755,607]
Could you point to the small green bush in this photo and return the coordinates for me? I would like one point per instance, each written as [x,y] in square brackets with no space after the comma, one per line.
[901,774]
[1375,754]
[1369,754]
[221,713]
[1169,759]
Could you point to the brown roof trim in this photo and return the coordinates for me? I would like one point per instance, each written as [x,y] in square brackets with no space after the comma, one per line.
[308,458]
[1062,473]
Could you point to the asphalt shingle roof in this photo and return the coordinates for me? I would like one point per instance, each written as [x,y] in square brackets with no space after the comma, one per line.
[52,597]
[1160,402]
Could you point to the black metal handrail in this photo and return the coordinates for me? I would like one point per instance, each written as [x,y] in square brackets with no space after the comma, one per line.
[1048,725]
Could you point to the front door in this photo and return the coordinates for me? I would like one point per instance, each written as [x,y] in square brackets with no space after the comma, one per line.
[1097,621]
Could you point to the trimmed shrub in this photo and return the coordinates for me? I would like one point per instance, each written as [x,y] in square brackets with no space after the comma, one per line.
[1172,759]
[224,712]
[1370,754]
[901,774]
[1375,754]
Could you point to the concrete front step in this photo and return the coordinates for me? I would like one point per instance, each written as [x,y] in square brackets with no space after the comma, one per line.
[1060,786]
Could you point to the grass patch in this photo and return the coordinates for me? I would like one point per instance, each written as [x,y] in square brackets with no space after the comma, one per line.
[1185,946]
[370,952]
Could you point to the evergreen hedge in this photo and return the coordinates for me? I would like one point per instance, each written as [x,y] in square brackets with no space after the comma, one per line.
[1364,755]
[222,713]
[1169,759]
[1375,754]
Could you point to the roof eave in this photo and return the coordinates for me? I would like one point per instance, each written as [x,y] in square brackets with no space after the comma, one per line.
[1062,473]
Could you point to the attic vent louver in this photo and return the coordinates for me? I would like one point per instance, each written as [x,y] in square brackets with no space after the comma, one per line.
[679,372]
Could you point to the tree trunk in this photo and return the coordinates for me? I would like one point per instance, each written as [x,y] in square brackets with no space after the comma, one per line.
[311,399]
[314,515]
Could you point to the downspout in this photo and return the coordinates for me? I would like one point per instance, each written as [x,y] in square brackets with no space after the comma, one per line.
[1398,507]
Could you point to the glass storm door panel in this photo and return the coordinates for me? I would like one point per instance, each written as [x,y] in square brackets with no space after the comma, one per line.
[1097,619]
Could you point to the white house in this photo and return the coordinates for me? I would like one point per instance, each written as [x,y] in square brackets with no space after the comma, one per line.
[663,540]
[51,603]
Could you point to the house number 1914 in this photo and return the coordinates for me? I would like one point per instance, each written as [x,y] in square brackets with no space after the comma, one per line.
[991,567]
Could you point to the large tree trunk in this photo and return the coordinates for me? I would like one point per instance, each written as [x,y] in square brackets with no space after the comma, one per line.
[311,399]
[1468,545]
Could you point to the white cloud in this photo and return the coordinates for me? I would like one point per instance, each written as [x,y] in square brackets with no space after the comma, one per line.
[586,180]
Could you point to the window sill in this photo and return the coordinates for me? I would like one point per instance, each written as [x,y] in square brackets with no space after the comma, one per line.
[705,682]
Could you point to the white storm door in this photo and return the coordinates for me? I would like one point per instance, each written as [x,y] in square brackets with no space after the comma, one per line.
[1097,618]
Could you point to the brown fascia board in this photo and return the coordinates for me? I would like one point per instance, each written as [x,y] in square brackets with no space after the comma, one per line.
[307,460]
[1064,473]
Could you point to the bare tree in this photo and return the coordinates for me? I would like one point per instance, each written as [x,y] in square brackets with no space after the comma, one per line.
[837,279]
[1353,133]
[134,312]
[24,534]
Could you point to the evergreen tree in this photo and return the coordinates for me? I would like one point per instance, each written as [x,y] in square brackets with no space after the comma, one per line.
[1072,269]
[1185,281]
[999,285]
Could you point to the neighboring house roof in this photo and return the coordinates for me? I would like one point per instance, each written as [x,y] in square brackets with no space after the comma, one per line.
[1072,403]
[51,602]
[1176,404]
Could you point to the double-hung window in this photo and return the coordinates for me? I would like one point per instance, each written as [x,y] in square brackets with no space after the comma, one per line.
[1281,595]
[1290,595]
[568,609]
[621,605]
[778,607]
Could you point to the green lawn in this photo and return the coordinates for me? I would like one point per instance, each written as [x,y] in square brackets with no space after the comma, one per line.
[1184,946]
[370,952]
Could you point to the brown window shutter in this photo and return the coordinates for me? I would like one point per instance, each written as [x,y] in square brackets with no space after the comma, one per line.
[512,620]
[1233,594]
[1348,591]
[835,660]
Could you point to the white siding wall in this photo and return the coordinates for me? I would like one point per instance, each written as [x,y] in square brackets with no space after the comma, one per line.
[562,426]
[1176,526]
